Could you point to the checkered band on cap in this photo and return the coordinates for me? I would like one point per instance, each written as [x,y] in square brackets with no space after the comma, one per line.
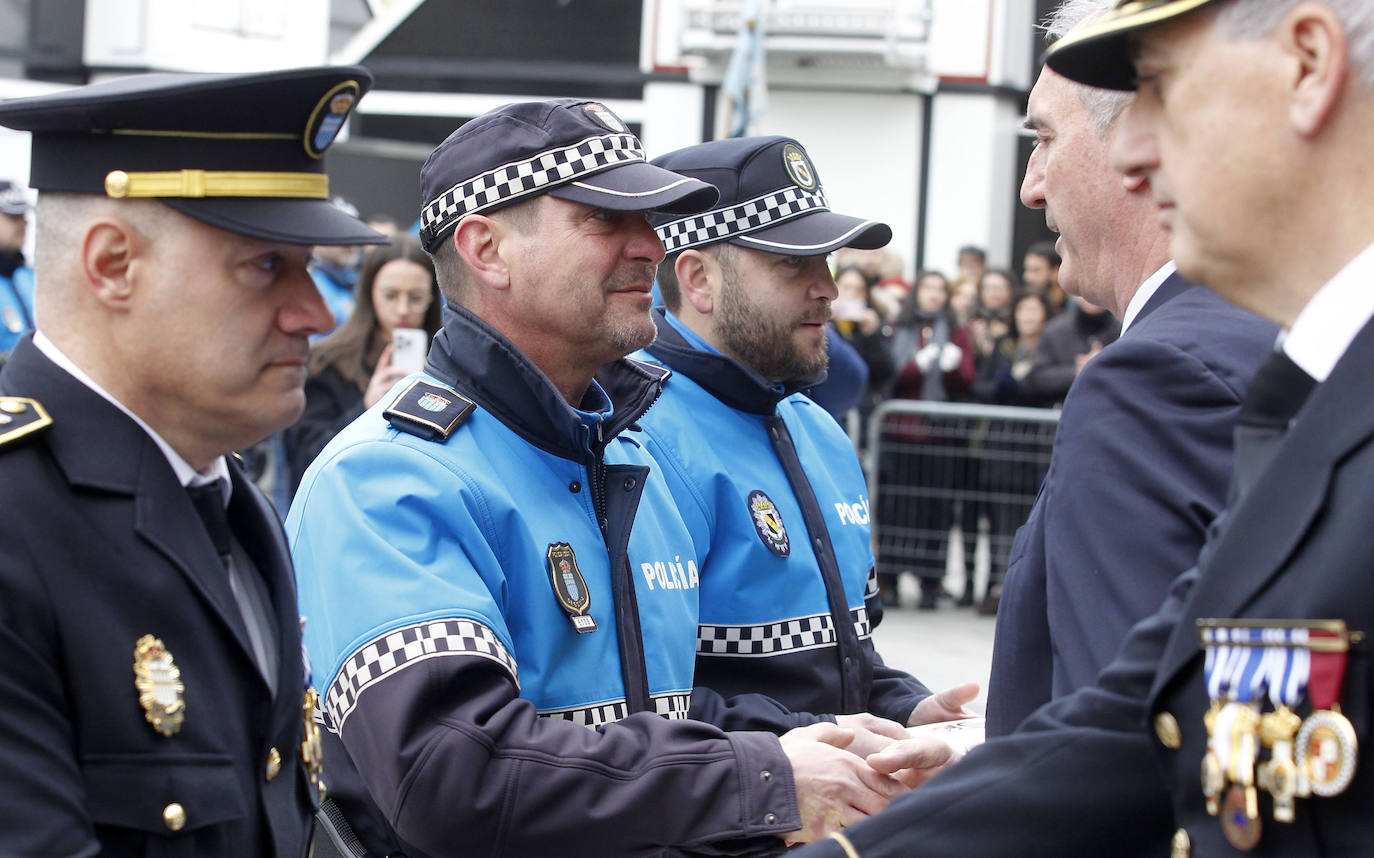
[522,178]
[780,638]
[722,224]
[672,706]
[393,651]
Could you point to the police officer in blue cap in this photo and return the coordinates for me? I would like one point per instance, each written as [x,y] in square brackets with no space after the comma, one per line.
[501,676]
[154,698]
[768,481]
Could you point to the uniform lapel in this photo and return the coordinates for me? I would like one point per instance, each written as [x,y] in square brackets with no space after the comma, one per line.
[165,518]
[1259,536]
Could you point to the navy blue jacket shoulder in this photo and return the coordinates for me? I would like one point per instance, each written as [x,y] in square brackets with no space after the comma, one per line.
[1139,470]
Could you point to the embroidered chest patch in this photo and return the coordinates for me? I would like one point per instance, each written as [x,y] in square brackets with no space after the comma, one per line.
[768,523]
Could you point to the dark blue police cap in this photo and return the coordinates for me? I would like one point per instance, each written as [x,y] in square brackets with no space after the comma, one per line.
[241,152]
[571,148]
[770,199]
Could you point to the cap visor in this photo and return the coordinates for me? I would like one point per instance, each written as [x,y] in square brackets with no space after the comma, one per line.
[640,186]
[290,221]
[816,233]
[1099,54]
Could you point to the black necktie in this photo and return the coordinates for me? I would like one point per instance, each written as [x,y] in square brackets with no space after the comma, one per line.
[1275,395]
[209,503]
[1277,391]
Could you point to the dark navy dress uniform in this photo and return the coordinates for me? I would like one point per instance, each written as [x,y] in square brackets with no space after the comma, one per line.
[154,691]
[102,547]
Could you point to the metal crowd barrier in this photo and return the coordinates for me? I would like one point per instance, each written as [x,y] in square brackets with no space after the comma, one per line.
[944,477]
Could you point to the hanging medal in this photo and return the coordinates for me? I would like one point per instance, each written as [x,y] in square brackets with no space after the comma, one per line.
[1326,745]
[1233,679]
[1285,669]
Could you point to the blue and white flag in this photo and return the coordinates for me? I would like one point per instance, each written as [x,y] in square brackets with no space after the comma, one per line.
[745,83]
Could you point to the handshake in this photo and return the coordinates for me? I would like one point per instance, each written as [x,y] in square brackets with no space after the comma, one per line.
[947,356]
[851,769]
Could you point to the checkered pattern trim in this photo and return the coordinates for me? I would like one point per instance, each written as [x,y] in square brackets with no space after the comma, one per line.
[720,224]
[673,706]
[522,178]
[871,588]
[862,626]
[780,638]
[400,648]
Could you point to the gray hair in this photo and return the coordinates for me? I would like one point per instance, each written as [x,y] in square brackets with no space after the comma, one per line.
[1104,106]
[1251,19]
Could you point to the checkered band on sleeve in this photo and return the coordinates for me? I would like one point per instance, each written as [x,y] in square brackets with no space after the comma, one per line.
[721,224]
[673,706]
[522,178]
[871,586]
[780,638]
[398,649]
[862,627]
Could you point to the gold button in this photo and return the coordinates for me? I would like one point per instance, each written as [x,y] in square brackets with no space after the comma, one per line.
[1182,846]
[273,763]
[117,184]
[1166,729]
[174,816]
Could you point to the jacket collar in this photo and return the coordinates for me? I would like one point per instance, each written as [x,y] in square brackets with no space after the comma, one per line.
[728,380]
[1173,286]
[483,365]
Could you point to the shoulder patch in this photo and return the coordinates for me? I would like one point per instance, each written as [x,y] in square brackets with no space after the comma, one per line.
[19,417]
[429,410]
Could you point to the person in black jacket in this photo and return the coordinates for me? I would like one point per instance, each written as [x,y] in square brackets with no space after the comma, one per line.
[351,369]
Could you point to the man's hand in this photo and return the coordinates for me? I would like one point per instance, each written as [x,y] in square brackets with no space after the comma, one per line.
[871,733]
[947,705]
[915,760]
[834,787]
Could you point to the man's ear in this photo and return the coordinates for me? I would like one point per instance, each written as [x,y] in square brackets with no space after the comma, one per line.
[478,240]
[698,278]
[1315,40]
[112,254]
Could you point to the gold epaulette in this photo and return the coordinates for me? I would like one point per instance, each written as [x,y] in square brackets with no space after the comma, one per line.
[20,417]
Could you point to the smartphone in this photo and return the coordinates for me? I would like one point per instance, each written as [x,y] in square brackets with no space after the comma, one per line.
[408,349]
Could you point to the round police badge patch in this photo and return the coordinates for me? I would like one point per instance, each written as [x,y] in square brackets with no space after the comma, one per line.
[768,523]
[328,117]
[605,117]
[799,166]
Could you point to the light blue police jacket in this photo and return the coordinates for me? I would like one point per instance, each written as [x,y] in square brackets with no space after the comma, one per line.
[470,556]
[778,507]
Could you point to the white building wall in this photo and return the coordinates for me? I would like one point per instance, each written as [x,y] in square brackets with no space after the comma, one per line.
[973,178]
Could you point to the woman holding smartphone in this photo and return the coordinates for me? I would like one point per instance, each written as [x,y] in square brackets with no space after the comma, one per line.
[352,368]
